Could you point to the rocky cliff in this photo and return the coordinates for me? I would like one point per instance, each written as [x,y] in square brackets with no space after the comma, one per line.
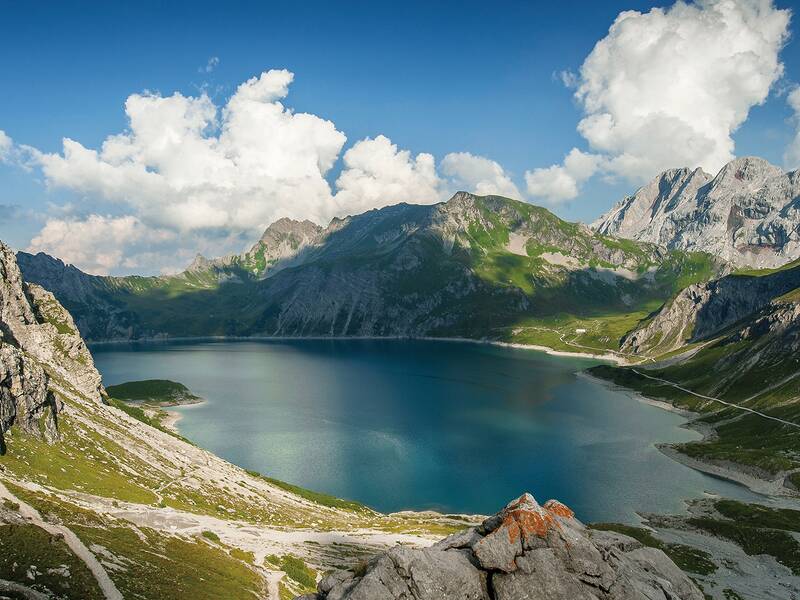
[748,214]
[704,310]
[525,552]
[38,341]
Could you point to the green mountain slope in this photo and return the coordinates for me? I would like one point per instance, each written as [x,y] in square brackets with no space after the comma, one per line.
[95,503]
[480,267]
[735,340]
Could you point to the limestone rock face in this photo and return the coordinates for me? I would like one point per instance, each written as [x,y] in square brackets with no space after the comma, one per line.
[525,552]
[37,335]
[702,311]
[749,214]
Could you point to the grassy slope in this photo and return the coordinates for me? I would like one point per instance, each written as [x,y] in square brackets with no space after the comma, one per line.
[107,459]
[750,364]
[152,390]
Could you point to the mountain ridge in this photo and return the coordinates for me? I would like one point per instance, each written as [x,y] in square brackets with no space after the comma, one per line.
[482,267]
[748,213]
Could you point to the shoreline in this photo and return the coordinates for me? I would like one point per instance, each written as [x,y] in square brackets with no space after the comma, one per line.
[607,356]
[739,474]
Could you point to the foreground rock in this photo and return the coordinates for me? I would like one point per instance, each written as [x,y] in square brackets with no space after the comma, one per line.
[526,551]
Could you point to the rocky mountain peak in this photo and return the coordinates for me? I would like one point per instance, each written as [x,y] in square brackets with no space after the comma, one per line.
[746,214]
[526,551]
[289,227]
[746,172]
[200,263]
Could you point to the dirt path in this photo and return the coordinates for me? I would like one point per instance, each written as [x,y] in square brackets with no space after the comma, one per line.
[78,548]
[725,402]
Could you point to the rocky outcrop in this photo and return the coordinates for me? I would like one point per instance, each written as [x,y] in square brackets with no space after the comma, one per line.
[38,339]
[525,552]
[25,399]
[749,214]
[702,311]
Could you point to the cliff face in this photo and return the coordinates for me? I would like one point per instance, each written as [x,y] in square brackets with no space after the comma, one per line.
[748,214]
[525,552]
[38,340]
[704,310]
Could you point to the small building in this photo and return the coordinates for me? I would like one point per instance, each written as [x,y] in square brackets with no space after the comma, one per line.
[580,331]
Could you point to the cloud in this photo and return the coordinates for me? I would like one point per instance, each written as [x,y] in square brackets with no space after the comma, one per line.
[96,243]
[477,174]
[210,65]
[189,165]
[377,174]
[668,88]
[189,175]
[562,182]
[791,156]
[6,146]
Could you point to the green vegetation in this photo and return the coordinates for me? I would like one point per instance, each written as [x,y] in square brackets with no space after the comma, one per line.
[210,535]
[756,515]
[83,461]
[691,560]
[317,497]
[33,557]
[152,564]
[297,570]
[155,391]
[754,540]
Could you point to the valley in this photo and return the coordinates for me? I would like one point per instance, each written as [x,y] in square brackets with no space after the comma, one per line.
[710,339]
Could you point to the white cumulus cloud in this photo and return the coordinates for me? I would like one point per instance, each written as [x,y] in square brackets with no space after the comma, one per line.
[188,165]
[478,174]
[562,182]
[97,243]
[376,173]
[668,88]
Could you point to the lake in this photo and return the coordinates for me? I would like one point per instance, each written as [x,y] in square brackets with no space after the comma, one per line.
[424,425]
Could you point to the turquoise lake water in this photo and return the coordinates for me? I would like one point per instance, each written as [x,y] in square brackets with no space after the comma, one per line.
[418,424]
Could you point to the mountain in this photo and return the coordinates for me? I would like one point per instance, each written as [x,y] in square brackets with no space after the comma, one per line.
[725,349]
[95,502]
[748,214]
[478,267]
[525,551]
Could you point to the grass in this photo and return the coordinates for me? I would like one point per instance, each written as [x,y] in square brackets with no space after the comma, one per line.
[151,564]
[210,535]
[754,540]
[691,560]
[756,515]
[33,557]
[140,415]
[152,390]
[316,497]
[297,570]
[65,466]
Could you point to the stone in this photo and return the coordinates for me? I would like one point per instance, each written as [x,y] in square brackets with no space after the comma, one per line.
[524,552]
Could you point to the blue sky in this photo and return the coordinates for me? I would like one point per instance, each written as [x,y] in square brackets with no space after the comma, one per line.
[433,77]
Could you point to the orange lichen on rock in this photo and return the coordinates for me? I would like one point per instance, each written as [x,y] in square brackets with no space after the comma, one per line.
[532,522]
[524,516]
[557,508]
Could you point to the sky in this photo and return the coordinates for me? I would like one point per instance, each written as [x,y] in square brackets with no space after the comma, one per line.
[134,135]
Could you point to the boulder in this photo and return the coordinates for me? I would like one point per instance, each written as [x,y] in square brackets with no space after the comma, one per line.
[525,552]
